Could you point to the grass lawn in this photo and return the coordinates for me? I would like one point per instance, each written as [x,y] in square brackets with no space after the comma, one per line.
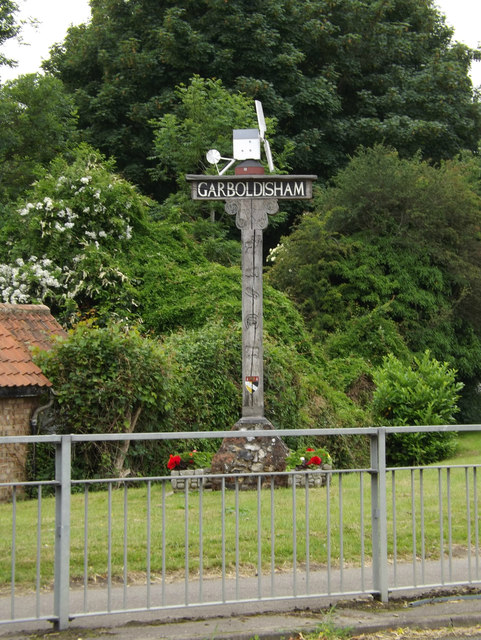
[151,529]
[469,449]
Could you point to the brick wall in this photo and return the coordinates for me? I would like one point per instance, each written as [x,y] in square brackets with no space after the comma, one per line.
[15,416]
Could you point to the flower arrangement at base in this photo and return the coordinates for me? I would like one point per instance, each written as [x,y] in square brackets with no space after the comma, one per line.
[309,458]
[189,460]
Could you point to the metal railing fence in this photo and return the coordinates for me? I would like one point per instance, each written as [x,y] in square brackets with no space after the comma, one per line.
[78,548]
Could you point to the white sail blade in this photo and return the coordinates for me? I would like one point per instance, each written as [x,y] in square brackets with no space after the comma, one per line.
[260,118]
[267,149]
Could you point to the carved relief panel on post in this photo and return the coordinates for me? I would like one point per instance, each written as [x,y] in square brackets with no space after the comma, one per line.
[252,218]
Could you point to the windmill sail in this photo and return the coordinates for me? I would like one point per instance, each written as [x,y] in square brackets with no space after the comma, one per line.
[262,133]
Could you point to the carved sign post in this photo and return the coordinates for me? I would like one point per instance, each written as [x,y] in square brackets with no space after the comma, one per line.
[251,218]
[251,198]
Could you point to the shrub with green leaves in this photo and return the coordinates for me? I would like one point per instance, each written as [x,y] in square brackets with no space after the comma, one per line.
[106,380]
[422,393]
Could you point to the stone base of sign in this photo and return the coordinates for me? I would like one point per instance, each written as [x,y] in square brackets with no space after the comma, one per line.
[315,478]
[250,455]
[193,478]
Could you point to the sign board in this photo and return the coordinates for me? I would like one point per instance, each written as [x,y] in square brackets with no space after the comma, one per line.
[254,186]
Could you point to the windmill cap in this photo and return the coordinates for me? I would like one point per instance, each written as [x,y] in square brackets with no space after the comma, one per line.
[242,134]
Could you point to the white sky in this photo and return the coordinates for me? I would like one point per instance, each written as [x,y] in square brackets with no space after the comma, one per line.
[55,16]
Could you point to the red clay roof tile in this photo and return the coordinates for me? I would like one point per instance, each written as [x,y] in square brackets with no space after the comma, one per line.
[23,326]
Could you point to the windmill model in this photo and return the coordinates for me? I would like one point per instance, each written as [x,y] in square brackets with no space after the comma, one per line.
[251,196]
[246,145]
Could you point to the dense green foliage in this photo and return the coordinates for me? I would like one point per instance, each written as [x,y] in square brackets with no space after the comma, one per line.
[38,121]
[425,393]
[397,238]
[111,380]
[336,74]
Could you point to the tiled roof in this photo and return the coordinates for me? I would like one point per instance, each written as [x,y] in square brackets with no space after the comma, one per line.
[23,326]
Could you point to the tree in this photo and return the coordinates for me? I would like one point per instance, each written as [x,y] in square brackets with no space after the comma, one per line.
[8,27]
[397,235]
[203,116]
[204,113]
[38,121]
[105,378]
[335,74]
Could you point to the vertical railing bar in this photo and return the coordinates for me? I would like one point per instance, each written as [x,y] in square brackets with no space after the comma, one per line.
[86,547]
[363,556]
[413,529]
[39,550]
[164,555]
[148,570]
[186,542]
[476,528]
[259,538]
[394,526]
[441,523]
[223,536]
[294,537]
[307,538]
[450,525]
[14,552]
[237,559]
[468,520]
[201,541]
[423,542]
[341,535]
[379,514]
[109,552]
[63,477]
[328,532]
[125,554]
[273,538]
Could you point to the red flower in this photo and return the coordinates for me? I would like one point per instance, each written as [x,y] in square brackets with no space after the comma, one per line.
[315,460]
[173,462]
[310,449]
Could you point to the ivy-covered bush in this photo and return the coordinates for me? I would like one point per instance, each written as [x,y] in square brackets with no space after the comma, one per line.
[207,395]
[205,368]
[422,393]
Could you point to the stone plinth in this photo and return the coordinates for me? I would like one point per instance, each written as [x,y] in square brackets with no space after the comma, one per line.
[194,478]
[314,478]
[246,455]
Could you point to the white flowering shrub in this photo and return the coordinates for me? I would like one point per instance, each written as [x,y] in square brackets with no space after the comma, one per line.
[24,280]
[67,243]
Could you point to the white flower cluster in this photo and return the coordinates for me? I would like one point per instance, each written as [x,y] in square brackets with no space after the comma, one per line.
[90,222]
[24,281]
[273,253]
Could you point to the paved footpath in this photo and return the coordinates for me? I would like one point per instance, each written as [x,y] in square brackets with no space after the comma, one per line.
[266,620]
[361,618]
[362,615]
